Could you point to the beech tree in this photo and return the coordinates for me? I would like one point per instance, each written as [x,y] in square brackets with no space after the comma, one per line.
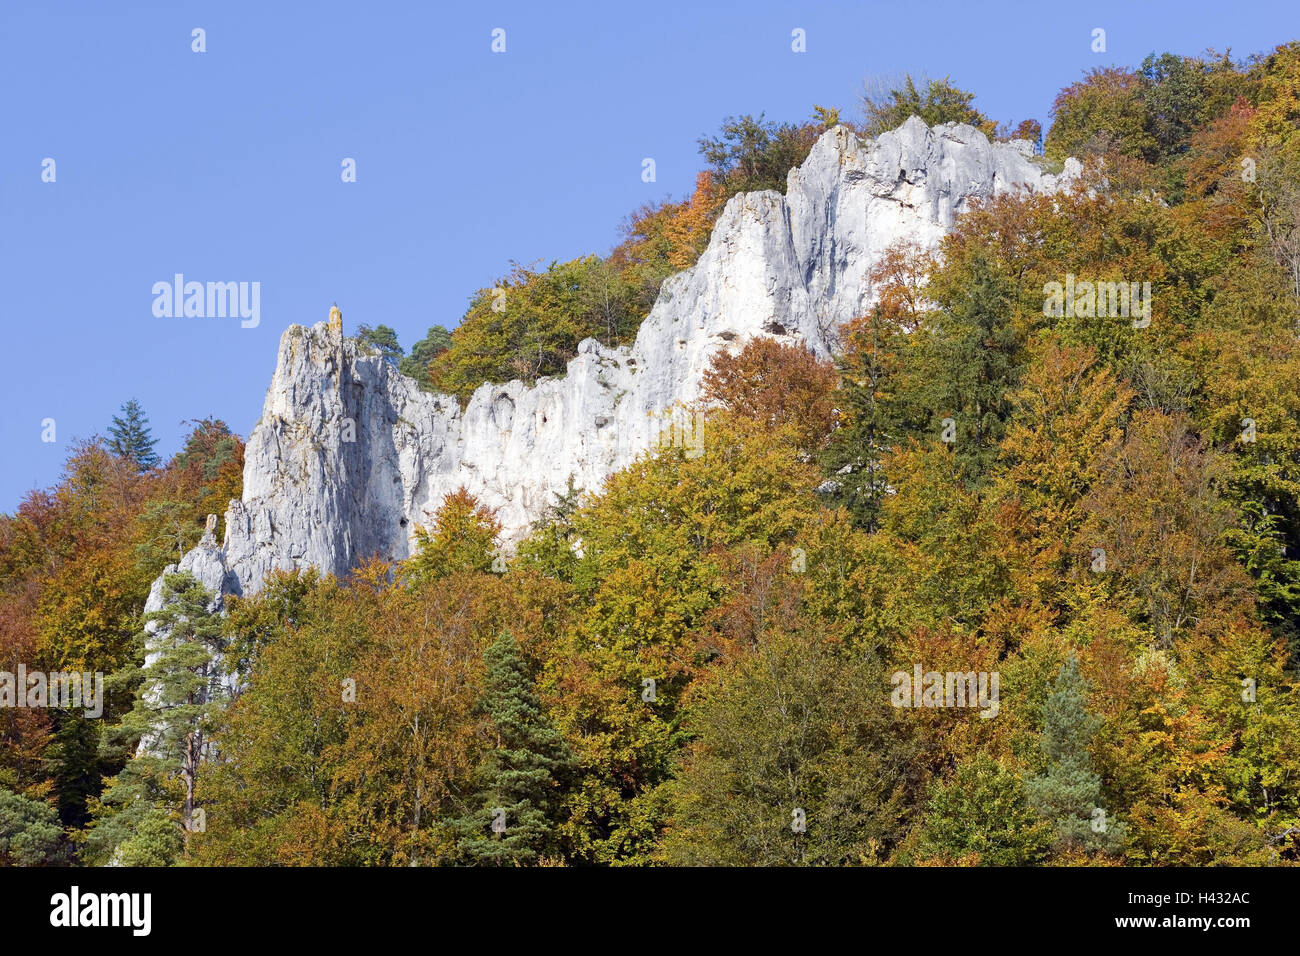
[461,537]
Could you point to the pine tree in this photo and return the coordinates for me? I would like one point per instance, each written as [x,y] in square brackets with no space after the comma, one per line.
[516,799]
[131,438]
[416,365]
[29,831]
[177,703]
[383,339]
[1069,793]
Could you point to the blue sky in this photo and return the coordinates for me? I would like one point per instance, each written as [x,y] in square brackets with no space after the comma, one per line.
[225,165]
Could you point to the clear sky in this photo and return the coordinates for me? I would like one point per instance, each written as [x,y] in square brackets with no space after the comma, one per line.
[225,165]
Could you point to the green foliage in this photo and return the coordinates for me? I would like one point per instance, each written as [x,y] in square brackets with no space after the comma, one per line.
[799,760]
[381,339]
[1101,113]
[77,767]
[677,661]
[935,102]
[131,438]
[29,830]
[416,365]
[178,701]
[286,736]
[550,548]
[153,839]
[1175,100]
[827,117]
[461,538]
[517,788]
[982,812]
[751,154]
[209,449]
[962,367]
[1069,793]
[530,325]
[1150,113]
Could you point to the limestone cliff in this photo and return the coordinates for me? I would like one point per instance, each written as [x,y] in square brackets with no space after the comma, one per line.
[349,455]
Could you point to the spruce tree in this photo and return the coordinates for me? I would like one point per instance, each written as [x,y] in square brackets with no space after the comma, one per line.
[515,803]
[968,367]
[131,438]
[1069,793]
[854,461]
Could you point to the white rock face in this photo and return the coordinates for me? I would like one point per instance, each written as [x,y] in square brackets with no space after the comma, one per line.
[793,267]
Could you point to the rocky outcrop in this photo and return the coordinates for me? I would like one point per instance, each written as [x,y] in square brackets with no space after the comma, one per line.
[349,455]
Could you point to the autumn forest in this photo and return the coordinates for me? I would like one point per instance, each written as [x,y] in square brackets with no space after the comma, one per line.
[1089,527]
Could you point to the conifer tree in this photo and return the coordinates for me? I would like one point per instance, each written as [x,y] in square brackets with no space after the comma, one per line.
[383,339]
[29,831]
[968,366]
[854,460]
[1069,793]
[131,438]
[515,803]
[177,703]
[416,365]
[553,546]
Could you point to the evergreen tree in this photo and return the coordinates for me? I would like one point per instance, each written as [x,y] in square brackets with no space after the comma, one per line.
[382,338]
[416,365]
[518,784]
[1069,793]
[552,547]
[967,367]
[77,766]
[854,462]
[29,830]
[131,438]
[177,703]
